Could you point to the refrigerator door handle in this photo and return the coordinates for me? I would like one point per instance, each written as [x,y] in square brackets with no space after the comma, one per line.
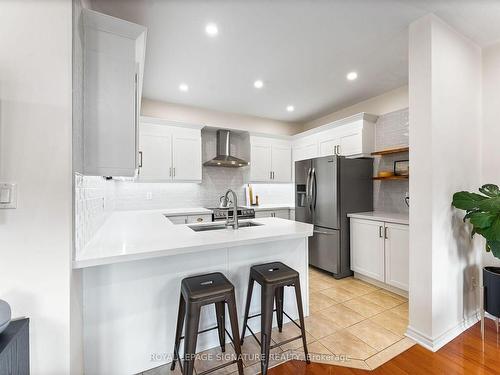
[308,182]
[313,188]
[321,232]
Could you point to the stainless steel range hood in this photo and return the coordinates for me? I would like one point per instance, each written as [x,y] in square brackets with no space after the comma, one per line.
[224,158]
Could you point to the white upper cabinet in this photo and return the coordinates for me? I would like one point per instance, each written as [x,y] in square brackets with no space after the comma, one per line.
[352,136]
[113,64]
[169,151]
[270,160]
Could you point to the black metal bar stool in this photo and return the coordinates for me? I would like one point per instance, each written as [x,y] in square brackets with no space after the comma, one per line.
[198,291]
[273,277]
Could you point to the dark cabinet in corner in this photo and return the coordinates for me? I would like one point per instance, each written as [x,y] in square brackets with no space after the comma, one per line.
[15,349]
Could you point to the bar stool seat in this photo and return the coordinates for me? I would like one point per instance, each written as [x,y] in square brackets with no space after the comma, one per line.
[273,278]
[206,286]
[196,292]
[275,272]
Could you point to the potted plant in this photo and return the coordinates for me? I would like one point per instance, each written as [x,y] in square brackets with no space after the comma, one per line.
[483,212]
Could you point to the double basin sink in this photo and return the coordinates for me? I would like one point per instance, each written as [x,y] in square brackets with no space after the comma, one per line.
[207,227]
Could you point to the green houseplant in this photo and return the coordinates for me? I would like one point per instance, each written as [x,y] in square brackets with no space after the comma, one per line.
[483,212]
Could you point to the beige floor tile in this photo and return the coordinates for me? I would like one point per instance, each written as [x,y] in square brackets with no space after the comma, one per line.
[250,351]
[337,294]
[374,335]
[401,310]
[392,321]
[319,301]
[341,316]
[214,357]
[317,284]
[290,330]
[319,326]
[397,296]
[343,343]
[389,353]
[383,299]
[164,370]
[358,287]
[363,306]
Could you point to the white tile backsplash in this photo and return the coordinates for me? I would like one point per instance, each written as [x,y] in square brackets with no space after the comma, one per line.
[92,205]
[391,130]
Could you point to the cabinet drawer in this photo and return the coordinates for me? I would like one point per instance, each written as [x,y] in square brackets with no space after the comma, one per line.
[178,219]
[199,219]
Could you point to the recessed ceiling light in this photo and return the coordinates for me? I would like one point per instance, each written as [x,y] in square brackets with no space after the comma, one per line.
[351,76]
[258,84]
[183,87]
[290,108]
[211,29]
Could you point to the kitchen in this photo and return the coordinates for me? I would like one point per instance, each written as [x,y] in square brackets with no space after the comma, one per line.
[189,180]
[205,147]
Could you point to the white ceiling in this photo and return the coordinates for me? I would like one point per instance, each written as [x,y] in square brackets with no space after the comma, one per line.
[301,49]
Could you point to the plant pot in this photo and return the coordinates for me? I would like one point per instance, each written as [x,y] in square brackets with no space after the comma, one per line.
[491,283]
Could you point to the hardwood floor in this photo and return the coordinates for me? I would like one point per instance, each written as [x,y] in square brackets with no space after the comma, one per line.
[466,354]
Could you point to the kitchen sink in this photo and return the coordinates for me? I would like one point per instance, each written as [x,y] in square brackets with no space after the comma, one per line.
[204,228]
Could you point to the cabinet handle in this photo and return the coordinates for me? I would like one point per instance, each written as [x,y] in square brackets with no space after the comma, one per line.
[170,172]
[273,175]
[174,171]
[380,231]
[386,233]
[270,175]
[140,159]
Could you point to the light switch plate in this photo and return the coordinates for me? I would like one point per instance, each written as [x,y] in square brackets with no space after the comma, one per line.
[8,195]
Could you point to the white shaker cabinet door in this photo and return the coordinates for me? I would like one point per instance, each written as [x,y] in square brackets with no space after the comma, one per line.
[186,157]
[351,144]
[367,248]
[260,167]
[155,157]
[281,157]
[397,255]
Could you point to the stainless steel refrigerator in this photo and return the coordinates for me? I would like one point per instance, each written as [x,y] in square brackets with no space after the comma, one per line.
[326,190]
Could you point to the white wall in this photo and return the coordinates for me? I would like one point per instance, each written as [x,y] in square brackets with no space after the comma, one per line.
[388,102]
[35,152]
[184,113]
[490,149]
[445,114]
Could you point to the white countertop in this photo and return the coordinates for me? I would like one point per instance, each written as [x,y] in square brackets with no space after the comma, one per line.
[389,217]
[135,235]
[183,211]
[272,206]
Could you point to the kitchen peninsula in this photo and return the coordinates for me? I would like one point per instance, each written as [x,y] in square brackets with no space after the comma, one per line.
[132,270]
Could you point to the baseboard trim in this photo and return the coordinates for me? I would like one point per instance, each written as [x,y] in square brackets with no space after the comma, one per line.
[434,344]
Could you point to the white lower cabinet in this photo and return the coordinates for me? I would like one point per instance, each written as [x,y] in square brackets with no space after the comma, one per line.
[367,248]
[190,219]
[282,214]
[380,251]
[397,255]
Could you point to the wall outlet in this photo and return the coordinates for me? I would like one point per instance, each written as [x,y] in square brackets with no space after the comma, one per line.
[474,282]
[8,195]
[149,196]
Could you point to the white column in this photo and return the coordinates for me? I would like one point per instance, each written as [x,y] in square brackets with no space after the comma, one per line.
[445,110]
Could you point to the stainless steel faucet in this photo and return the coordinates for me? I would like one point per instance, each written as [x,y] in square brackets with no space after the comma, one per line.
[234,221]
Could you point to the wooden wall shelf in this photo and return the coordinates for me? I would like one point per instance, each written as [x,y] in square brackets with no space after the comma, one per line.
[391,151]
[391,178]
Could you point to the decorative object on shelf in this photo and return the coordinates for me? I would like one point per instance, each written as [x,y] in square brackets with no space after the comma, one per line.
[402,168]
[385,174]
[483,212]
[5,315]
